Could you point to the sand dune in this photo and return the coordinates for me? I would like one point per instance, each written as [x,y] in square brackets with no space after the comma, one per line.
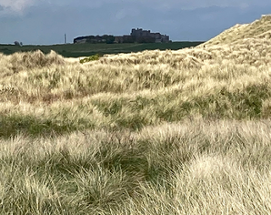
[259,29]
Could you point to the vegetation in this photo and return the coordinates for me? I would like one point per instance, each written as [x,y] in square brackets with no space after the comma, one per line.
[82,50]
[109,39]
[259,29]
[90,58]
[193,167]
[154,132]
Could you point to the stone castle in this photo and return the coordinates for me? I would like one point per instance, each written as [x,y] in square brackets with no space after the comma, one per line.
[136,36]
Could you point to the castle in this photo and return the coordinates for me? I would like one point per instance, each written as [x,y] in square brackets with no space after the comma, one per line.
[136,36]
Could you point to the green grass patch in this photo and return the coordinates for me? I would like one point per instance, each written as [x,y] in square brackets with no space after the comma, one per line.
[13,125]
[90,58]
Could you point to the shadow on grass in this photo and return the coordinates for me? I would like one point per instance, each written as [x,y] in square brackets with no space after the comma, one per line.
[13,125]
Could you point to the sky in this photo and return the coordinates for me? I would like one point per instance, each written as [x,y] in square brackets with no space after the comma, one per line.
[44,22]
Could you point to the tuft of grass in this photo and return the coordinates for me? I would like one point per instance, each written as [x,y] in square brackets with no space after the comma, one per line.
[30,60]
[90,58]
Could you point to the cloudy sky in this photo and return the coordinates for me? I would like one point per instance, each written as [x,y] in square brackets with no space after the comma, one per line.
[46,21]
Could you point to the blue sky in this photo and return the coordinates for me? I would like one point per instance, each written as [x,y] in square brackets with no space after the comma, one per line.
[46,21]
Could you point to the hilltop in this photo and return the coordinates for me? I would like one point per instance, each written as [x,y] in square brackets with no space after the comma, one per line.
[259,29]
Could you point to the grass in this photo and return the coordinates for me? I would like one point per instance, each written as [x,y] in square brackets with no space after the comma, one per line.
[154,132]
[90,58]
[185,168]
[82,50]
[258,29]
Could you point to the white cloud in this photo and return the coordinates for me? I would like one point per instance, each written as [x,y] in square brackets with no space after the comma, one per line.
[16,5]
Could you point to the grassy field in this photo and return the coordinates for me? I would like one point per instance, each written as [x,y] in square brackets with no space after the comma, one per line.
[153,132]
[79,50]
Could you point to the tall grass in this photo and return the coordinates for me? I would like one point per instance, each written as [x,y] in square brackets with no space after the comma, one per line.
[194,167]
[56,96]
[156,132]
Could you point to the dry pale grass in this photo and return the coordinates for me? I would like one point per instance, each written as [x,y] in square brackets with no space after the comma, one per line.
[259,29]
[133,73]
[193,167]
[134,90]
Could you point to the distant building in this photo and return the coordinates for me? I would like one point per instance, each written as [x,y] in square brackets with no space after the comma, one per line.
[136,36]
[16,43]
[140,34]
[80,40]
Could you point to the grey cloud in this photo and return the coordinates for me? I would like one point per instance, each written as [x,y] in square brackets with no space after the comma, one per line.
[156,4]
[187,5]
[46,23]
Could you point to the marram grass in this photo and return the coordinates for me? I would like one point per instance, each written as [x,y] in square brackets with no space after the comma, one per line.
[193,167]
[156,132]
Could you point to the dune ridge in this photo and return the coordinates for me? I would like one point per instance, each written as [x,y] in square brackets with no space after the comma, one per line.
[259,29]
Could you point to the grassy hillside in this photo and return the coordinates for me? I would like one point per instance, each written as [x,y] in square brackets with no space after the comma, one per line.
[79,50]
[153,132]
[258,29]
